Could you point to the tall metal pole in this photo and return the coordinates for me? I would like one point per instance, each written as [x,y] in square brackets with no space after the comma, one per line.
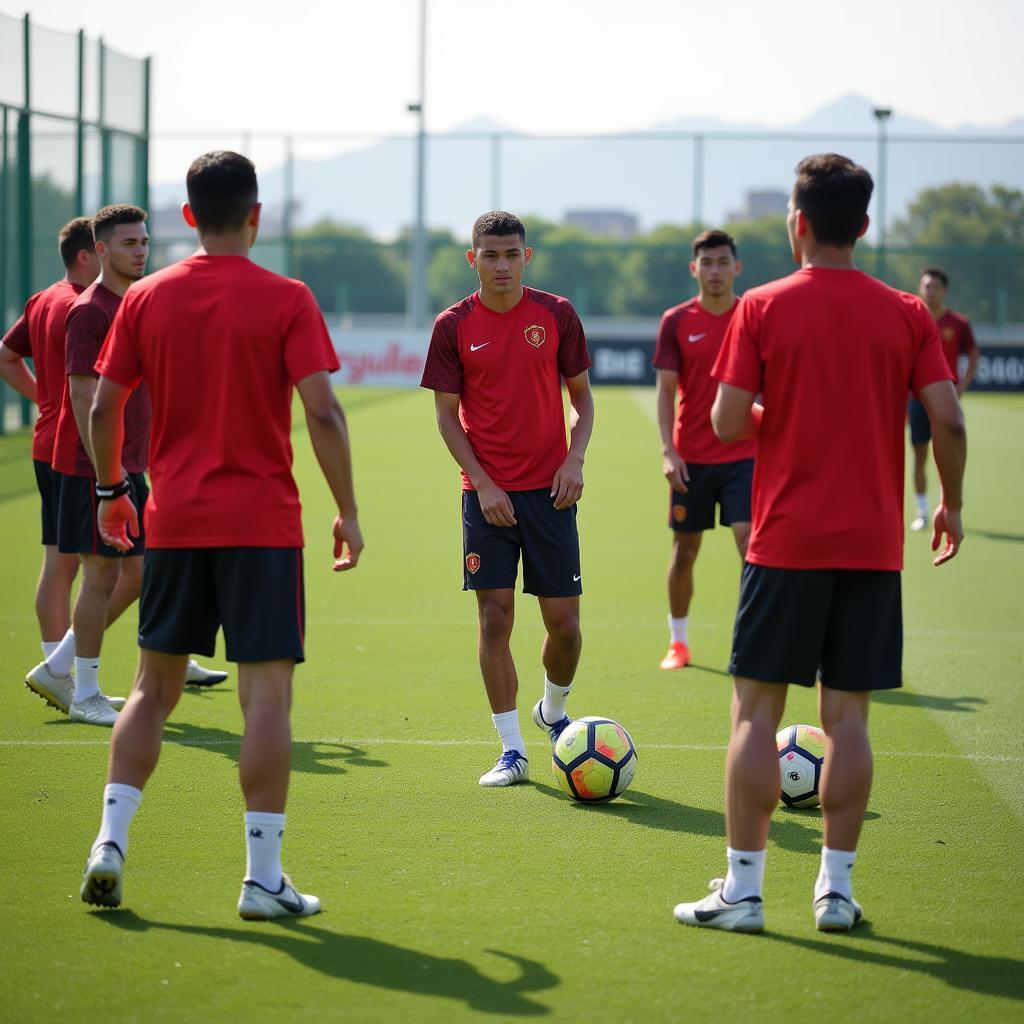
[882,115]
[417,296]
[80,130]
[698,180]
[289,199]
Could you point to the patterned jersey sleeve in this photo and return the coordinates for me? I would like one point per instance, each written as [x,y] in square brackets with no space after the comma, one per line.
[666,352]
[85,332]
[739,361]
[17,338]
[442,370]
[573,357]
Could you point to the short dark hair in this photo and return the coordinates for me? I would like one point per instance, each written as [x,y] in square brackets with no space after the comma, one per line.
[75,236]
[497,222]
[833,194]
[222,190]
[109,217]
[712,239]
[936,272]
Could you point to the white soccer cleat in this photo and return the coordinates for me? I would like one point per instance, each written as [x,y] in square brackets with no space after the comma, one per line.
[553,730]
[714,912]
[103,875]
[115,702]
[918,524]
[196,675]
[836,913]
[94,710]
[511,768]
[258,904]
[56,690]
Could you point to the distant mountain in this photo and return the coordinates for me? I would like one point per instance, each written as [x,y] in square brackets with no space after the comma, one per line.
[651,177]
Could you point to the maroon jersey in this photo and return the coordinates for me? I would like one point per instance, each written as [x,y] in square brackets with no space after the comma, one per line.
[507,369]
[689,340]
[956,336]
[88,321]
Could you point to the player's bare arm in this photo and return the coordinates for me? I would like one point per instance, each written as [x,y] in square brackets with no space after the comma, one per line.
[494,502]
[328,433]
[733,415]
[949,444]
[16,374]
[672,464]
[82,390]
[104,440]
[567,485]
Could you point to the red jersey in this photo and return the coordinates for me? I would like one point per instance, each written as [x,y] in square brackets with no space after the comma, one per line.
[507,369]
[833,353]
[87,324]
[39,334]
[221,343]
[957,338]
[689,340]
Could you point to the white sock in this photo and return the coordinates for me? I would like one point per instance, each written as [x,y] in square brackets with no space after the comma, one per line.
[49,646]
[120,802]
[678,629]
[63,657]
[745,877]
[834,875]
[922,505]
[552,707]
[507,724]
[263,833]
[87,678]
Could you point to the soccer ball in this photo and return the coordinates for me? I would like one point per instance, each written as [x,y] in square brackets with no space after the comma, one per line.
[594,759]
[801,755]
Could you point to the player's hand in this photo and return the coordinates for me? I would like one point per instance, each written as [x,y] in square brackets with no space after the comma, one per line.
[117,520]
[567,486]
[676,473]
[946,521]
[348,543]
[496,505]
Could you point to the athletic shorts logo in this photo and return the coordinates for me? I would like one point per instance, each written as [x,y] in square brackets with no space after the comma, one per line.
[535,335]
[678,513]
[472,561]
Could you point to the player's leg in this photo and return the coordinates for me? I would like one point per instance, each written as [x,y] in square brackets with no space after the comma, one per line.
[560,655]
[920,436]
[53,596]
[100,575]
[126,591]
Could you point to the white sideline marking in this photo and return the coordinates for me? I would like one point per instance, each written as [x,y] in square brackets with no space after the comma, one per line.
[383,741]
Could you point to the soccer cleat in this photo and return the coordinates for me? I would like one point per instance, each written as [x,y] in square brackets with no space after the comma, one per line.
[94,710]
[115,702]
[259,904]
[553,731]
[918,524]
[714,912]
[511,768]
[56,690]
[196,675]
[836,913]
[678,656]
[101,880]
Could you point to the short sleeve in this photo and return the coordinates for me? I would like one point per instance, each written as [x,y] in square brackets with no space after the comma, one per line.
[666,351]
[119,359]
[442,370]
[17,339]
[930,363]
[739,362]
[573,357]
[85,332]
[967,342]
[308,348]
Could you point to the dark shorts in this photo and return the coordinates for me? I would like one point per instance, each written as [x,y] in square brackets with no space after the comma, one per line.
[49,498]
[920,428]
[726,484]
[845,625]
[77,505]
[257,595]
[546,537]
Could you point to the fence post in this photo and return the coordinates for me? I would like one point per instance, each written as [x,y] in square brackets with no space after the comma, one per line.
[105,159]
[142,144]
[80,130]
[698,180]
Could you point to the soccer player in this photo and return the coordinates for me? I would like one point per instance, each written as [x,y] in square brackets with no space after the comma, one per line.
[834,353]
[39,333]
[496,363]
[957,340]
[702,472]
[223,525]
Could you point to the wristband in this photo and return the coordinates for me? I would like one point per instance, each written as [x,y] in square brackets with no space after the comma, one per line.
[106,492]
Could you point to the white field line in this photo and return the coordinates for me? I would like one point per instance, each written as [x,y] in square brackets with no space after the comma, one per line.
[383,741]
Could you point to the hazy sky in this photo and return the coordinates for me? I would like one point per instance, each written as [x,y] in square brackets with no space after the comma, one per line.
[557,65]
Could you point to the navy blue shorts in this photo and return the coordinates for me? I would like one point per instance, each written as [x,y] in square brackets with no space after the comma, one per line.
[545,536]
[46,481]
[257,595]
[726,484]
[920,427]
[844,625]
[77,506]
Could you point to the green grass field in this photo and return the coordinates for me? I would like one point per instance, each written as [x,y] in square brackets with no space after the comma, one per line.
[444,901]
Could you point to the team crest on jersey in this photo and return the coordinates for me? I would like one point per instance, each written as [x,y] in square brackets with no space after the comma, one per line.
[535,335]
[678,513]
[948,333]
[472,561]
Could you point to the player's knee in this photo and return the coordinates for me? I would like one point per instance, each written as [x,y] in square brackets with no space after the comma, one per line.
[742,535]
[101,574]
[565,630]
[684,553]
[495,621]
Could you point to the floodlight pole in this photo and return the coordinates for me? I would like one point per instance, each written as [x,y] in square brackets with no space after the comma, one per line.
[417,296]
[882,115]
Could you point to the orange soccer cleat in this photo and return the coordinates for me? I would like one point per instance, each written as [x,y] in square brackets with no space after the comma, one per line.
[678,656]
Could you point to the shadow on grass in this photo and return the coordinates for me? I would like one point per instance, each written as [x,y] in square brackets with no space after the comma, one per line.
[988,975]
[709,670]
[1013,538]
[927,700]
[372,962]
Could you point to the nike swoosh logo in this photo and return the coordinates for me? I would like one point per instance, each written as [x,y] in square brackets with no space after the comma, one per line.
[476,348]
[697,337]
[290,906]
[576,579]
[710,915]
